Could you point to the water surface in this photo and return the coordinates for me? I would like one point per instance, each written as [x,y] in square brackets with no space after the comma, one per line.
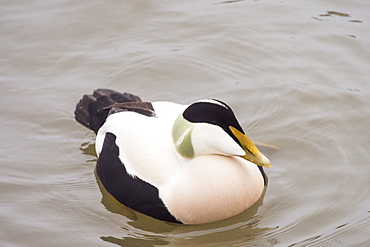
[295,73]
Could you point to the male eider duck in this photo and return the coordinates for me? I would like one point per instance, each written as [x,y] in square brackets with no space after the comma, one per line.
[187,164]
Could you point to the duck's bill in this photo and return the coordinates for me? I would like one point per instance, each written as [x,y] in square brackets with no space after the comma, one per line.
[252,153]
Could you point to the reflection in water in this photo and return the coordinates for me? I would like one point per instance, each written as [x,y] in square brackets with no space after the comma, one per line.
[134,241]
[231,1]
[88,148]
[331,13]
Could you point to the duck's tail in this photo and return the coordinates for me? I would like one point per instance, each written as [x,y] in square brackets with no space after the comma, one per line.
[92,110]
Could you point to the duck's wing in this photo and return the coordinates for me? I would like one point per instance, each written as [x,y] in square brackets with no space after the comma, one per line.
[144,108]
[126,189]
[92,110]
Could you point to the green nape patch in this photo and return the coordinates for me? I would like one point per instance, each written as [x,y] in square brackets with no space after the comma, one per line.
[181,136]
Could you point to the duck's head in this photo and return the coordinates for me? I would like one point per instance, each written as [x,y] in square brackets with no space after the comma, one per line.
[210,127]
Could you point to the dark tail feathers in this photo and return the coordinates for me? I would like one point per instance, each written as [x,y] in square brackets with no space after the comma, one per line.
[91,110]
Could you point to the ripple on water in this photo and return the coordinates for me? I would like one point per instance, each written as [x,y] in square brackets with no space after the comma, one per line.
[316,158]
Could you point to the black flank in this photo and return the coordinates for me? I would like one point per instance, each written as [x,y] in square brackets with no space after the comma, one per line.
[132,192]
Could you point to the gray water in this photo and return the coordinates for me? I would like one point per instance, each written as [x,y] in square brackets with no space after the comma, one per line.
[296,74]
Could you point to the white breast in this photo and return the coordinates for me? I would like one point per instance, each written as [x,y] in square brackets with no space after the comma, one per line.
[212,187]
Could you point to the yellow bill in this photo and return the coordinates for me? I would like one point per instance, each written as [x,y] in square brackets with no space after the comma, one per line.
[252,153]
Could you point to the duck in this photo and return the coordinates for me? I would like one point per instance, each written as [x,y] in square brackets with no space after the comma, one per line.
[186,164]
